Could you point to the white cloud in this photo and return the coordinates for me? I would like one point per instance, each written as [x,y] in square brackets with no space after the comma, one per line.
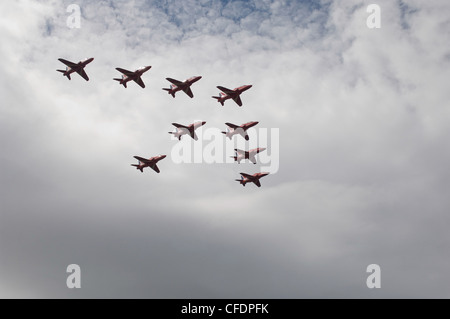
[363,125]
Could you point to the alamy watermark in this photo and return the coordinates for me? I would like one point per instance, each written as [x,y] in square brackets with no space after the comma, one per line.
[374,279]
[74,279]
[374,19]
[74,20]
[213,146]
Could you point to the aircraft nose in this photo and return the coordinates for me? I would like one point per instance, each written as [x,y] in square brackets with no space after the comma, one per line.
[203,123]
[261,149]
[163,156]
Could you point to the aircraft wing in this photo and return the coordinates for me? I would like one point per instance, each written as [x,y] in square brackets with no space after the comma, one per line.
[231,125]
[225,90]
[179,125]
[240,152]
[247,176]
[252,159]
[141,159]
[237,99]
[155,168]
[83,74]
[194,135]
[188,91]
[257,183]
[126,72]
[68,63]
[173,81]
[140,82]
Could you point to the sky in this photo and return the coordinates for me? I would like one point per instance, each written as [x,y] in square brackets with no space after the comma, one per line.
[355,121]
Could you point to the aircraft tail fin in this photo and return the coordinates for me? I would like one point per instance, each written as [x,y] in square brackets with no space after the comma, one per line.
[218,98]
[138,167]
[228,133]
[169,91]
[64,73]
[123,83]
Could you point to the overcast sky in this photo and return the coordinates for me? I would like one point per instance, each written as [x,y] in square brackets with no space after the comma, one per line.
[360,122]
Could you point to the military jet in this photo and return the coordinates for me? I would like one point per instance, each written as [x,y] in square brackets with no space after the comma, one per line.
[132,76]
[231,94]
[151,162]
[246,178]
[190,130]
[182,86]
[242,129]
[242,155]
[75,67]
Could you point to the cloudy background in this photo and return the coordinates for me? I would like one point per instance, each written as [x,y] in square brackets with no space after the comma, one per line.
[363,117]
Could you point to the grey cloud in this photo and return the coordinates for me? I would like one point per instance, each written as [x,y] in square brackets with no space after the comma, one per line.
[363,128]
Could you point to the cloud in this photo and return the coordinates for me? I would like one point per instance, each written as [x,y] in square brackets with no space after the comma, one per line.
[363,128]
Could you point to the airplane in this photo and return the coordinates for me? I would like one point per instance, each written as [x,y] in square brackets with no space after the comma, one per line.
[151,162]
[240,154]
[181,130]
[75,67]
[182,86]
[130,75]
[246,178]
[242,130]
[231,94]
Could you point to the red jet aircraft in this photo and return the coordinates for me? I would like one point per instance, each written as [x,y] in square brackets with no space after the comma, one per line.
[242,130]
[151,162]
[182,86]
[190,130]
[135,76]
[231,94]
[75,67]
[242,155]
[246,178]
